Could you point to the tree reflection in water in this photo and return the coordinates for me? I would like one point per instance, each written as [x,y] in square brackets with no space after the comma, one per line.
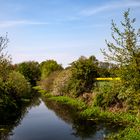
[81,128]
[9,119]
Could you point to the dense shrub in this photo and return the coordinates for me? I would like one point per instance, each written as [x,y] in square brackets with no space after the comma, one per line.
[5,68]
[47,83]
[3,97]
[130,96]
[129,133]
[30,70]
[107,95]
[116,94]
[18,86]
[84,72]
[60,84]
[48,67]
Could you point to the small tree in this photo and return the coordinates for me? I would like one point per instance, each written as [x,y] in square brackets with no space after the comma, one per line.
[48,67]
[125,51]
[3,44]
[4,58]
[84,72]
[30,70]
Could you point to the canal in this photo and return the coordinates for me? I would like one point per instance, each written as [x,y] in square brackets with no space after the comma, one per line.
[50,120]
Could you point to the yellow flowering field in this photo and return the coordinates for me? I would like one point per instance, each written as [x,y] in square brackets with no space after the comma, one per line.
[107,79]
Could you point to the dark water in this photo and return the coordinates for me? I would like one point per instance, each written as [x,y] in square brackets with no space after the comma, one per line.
[53,121]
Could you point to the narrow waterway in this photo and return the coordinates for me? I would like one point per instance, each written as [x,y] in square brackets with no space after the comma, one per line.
[53,121]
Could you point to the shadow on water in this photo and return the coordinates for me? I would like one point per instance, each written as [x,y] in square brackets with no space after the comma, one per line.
[85,129]
[9,119]
[50,120]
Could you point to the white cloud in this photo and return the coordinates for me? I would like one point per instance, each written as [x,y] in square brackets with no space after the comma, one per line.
[12,23]
[111,6]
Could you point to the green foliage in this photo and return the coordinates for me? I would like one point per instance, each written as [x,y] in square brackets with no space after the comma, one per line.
[77,104]
[104,69]
[125,50]
[129,133]
[103,72]
[126,53]
[5,68]
[131,122]
[13,90]
[18,86]
[107,95]
[49,71]
[84,72]
[97,113]
[49,66]
[4,97]
[30,70]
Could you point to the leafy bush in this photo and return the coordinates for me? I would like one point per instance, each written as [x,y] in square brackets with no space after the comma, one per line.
[6,101]
[48,67]
[107,95]
[84,72]
[5,68]
[18,86]
[30,70]
[3,97]
[131,97]
[116,94]
[129,133]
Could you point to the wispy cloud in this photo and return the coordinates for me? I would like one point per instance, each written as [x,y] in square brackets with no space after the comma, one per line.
[13,23]
[108,7]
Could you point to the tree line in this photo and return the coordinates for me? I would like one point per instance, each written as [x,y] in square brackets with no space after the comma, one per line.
[78,78]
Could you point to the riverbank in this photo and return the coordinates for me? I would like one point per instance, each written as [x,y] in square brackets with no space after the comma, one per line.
[129,122]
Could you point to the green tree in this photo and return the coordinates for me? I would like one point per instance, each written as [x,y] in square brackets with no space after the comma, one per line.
[5,64]
[30,70]
[84,72]
[13,85]
[49,66]
[17,86]
[125,51]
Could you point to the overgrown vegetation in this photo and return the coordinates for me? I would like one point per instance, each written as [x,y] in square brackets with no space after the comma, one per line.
[84,72]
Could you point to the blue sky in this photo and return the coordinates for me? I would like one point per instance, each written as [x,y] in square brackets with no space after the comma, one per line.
[60,29]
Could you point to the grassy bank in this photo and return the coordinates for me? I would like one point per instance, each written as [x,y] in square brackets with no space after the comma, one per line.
[77,104]
[130,122]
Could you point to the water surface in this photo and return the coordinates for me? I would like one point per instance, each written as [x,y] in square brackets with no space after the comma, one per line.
[53,121]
